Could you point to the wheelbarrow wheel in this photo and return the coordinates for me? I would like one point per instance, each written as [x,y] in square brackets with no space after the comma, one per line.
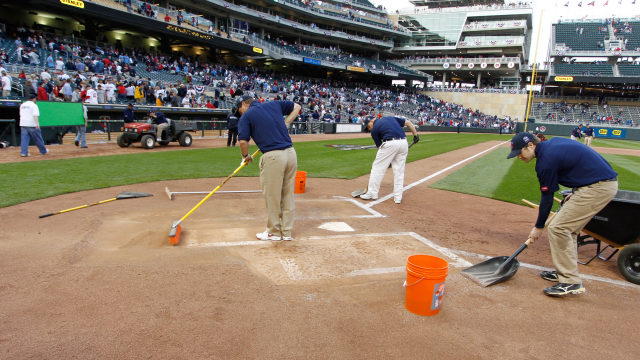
[629,263]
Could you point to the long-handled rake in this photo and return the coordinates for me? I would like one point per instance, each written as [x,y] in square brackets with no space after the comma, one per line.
[174,232]
[171,193]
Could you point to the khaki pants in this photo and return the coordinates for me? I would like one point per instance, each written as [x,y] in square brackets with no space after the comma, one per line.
[160,128]
[587,140]
[277,178]
[6,93]
[565,227]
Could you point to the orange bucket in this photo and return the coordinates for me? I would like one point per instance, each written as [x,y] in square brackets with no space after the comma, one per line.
[301,181]
[425,284]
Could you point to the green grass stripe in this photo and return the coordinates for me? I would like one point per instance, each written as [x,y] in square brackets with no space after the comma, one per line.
[519,181]
[481,177]
[27,181]
[620,144]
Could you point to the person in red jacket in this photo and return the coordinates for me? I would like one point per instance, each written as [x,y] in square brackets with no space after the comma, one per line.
[42,93]
[122,92]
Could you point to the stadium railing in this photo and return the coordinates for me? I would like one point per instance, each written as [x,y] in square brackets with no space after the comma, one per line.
[422,10]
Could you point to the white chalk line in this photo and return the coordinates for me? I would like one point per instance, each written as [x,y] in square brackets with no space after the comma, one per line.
[378,271]
[542,268]
[228,244]
[291,268]
[389,196]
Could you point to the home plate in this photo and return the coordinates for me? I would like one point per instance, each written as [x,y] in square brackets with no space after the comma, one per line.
[336,226]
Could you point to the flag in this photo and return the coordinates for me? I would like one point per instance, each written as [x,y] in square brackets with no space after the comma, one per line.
[593,3]
[580,4]
[567,4]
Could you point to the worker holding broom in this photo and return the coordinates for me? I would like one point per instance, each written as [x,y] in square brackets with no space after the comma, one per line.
[264,123]
[595,184]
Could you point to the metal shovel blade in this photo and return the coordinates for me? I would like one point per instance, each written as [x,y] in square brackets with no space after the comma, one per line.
[493,271]
[360,192]
[131,195]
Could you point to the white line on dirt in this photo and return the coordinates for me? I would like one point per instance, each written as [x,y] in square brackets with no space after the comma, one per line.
[459,262]
[232,243]
[542,268]
[387,197]
[377,271]
[291,268]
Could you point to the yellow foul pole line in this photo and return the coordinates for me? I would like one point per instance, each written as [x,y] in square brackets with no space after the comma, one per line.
[533,74]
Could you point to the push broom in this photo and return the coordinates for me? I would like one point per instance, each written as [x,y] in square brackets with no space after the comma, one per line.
[174,232]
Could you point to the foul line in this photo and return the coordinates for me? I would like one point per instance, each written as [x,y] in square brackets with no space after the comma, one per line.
[387,197]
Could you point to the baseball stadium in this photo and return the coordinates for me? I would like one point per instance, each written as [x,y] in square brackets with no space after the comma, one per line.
[305,179]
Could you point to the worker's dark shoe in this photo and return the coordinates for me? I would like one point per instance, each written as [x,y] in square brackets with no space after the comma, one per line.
[563,289]
[550,275]
[76,142]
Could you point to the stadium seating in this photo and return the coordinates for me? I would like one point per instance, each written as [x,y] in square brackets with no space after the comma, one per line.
[576,117]
[588,41]
[629,70]
[634,37]
[583,69]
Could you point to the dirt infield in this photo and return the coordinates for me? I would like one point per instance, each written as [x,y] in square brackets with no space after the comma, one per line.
[104,282]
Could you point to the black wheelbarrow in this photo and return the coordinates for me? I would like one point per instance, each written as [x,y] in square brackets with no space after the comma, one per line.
[618,226]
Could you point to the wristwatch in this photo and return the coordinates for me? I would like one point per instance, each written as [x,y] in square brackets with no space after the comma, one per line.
[244,156]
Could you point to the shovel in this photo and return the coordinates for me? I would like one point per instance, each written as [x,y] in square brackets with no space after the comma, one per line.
[501,268]
[122,195]
[364,190]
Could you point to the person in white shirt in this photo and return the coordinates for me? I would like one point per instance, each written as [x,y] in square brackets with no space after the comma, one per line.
[81,137]
[59,64]
[111,91]
[186,102]
[63,77]
[44,75]
[6,84]
[92,95]
[30,127]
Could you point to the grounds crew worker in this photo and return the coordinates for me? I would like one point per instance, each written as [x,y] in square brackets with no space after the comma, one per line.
[232,126]
[388,134]
[160,122]
[576,133]
[263,122]
[571,164]
[30,126]
[588,135]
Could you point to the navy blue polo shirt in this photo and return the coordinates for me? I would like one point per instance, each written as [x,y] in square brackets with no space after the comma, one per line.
[388,127]
[561,161]
[588,131]
[264,123]
[160,118]
[232,121]
[576,131]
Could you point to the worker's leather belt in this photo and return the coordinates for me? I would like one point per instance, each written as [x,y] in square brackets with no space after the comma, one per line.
[290,146]
[612,179]
[385,140]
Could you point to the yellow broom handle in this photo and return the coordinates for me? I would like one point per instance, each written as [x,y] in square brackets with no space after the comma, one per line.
[84,206]
[218,187]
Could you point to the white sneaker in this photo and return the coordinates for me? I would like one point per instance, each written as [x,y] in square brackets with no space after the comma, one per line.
[397,201]
[287,238]
[368,196]
[25,155]
[265,236]
[46,152]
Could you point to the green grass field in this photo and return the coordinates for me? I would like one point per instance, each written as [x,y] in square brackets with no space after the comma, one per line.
[512,180]
[22,182]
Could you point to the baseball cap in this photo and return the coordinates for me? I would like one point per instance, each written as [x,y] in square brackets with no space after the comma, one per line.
[519,141]
[235,109]
[32,96]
